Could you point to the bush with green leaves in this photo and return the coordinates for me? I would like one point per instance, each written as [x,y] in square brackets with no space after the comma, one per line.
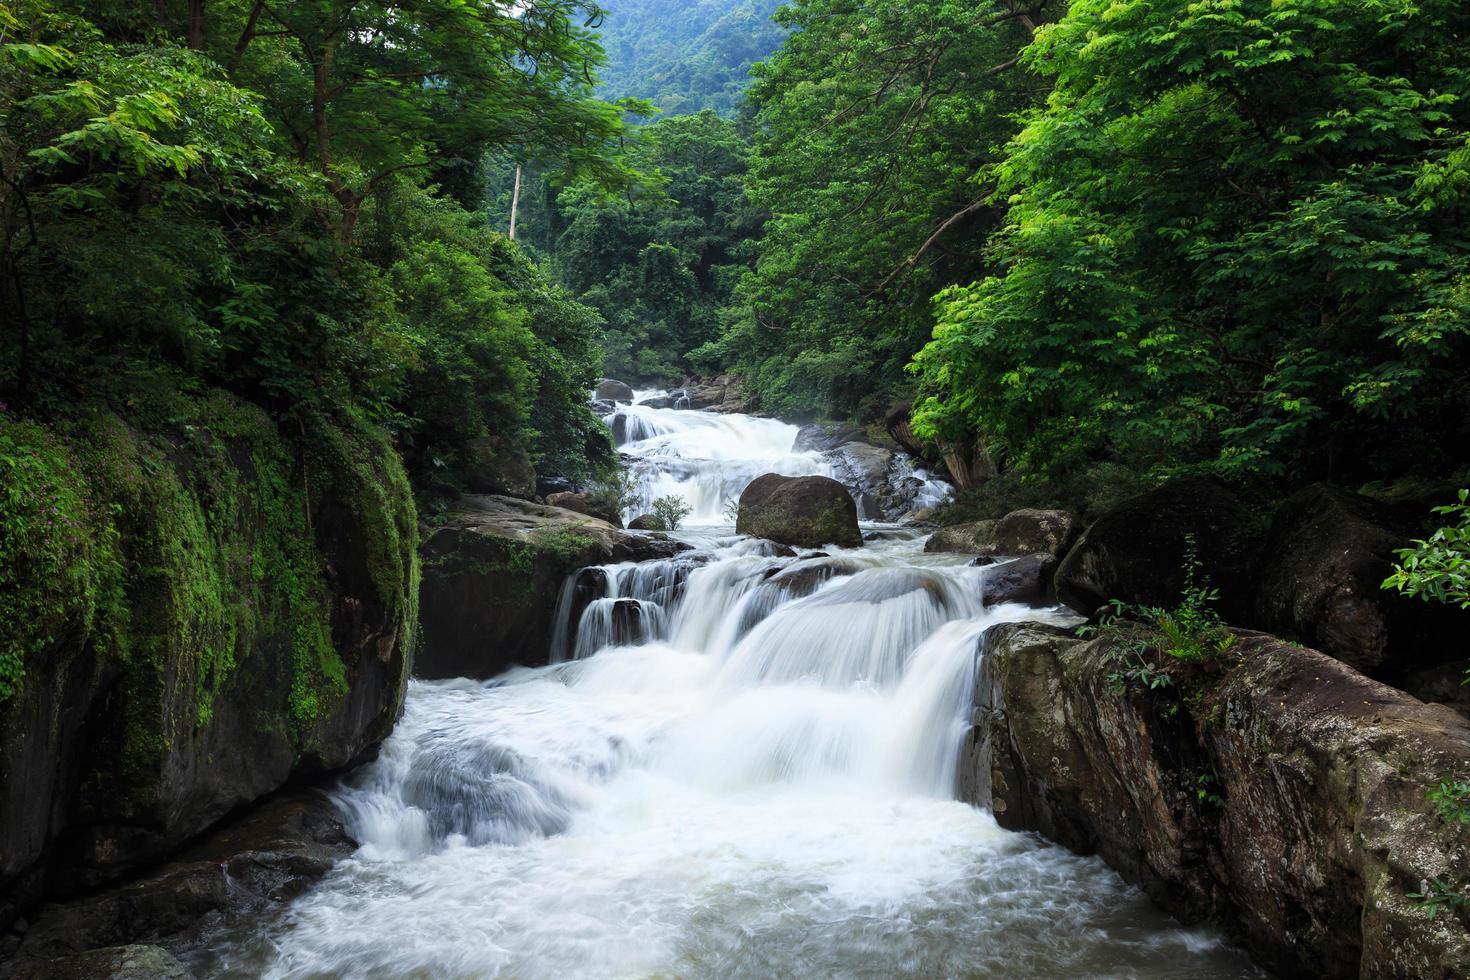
[1437,569]
[671,510]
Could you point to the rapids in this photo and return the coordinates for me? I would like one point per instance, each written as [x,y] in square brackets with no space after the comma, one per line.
[741,765]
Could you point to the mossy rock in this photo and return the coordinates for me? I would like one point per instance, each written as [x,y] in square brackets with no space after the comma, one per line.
[801,511]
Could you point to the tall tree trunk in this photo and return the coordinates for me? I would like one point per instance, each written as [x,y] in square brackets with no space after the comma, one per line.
[196,24]
[515,203]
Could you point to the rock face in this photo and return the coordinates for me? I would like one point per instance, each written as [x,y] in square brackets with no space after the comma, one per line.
[245,625]
[802,511]
[583,503]
[1035,532]
[1277,791]
[722,393]
[974,538]
[1027,580]
[1321,577]
[238,875]
[613,391]
[1136,551]
[492,575]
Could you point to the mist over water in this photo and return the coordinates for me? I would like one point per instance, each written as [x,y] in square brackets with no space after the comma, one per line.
[742,766]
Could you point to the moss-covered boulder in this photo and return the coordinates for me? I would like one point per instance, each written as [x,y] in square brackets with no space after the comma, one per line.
[1274,790]
[199,606]
[971,538]
[802,511]
[494,573]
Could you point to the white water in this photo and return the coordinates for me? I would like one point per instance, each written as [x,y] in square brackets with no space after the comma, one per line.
[762,787]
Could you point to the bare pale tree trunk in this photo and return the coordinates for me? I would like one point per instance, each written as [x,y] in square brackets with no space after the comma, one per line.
[515,203]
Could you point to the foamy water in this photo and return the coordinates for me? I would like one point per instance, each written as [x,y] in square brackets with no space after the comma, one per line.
[760,782]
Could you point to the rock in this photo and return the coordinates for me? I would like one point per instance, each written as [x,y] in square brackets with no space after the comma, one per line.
[493,574]
[822,437]
[866,469]
[237,876]
[1035,532]
[1276,791]
[896,422]
[974,538]
[1026,580]
[803,577]
[803,511]
[614,391]
[1445,684]
[647,522]
[584,503]
[1136,551]
[659,401]
[114,963]
[602,407]
[1321,582]
[134,733]
[498,467]
[548,485]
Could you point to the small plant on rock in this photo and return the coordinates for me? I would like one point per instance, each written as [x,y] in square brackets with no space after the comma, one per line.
[1438,569]
[1436,894]
[1451,799]
[671,510]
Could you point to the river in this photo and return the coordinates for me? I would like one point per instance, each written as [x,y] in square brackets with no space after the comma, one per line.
[762,784]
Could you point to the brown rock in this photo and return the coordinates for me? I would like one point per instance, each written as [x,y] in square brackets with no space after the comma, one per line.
[1277,791]
[974,538]
[803,511]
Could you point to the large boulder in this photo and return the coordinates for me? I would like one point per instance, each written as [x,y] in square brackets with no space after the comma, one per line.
[1137,552]
[1027,580]
[1035,532]
[1276,791]
[240,614]
[802,511]
[585,503]
[1321,582]
[867,470]
[972,538]
[135,962]
[492,576]
[613,391]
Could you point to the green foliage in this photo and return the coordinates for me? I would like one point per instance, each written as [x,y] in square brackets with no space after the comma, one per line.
[1192,632]
[1436,895]
[872,122]
[1233,240]
[686,55]
[659,264]
[671,511]
[1438,569]
[615,492]
[1451,799]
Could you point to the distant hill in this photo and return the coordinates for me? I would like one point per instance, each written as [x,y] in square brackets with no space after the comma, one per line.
[686,55]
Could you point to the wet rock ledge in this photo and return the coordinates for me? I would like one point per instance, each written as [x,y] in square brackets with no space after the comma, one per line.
[1276,791]
[492,575]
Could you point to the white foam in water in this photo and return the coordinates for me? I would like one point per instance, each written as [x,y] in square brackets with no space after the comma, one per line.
[763,787]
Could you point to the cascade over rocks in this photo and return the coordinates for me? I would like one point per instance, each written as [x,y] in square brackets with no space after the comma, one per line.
[614,391]
[1136,551]
[802,511]
[1321,578]
[1277,791]
[492,575]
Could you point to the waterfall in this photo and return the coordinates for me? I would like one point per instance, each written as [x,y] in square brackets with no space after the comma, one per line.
[743,764]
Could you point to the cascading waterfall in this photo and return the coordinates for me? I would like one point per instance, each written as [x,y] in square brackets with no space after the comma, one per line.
[744,765]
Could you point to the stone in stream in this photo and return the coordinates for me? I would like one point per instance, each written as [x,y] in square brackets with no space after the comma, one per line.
[972,538]
[492,577]
[1021,532]
[1027,580]
[803,511]
[614,391]
[584,503]
[136,962]
[647,522]
[1275,790]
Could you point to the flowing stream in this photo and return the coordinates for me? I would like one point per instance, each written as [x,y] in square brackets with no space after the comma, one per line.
[750,774]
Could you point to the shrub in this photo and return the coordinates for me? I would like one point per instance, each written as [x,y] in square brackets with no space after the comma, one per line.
[671,510]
